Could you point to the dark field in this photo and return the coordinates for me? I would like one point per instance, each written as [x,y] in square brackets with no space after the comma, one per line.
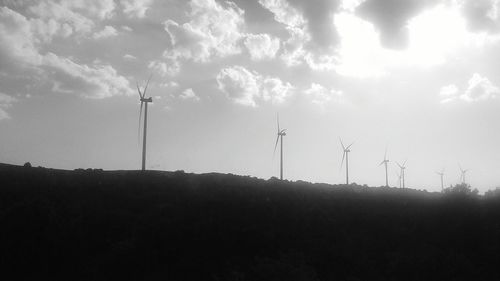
[131,225]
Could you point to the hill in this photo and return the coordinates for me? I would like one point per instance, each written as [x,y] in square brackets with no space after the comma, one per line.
[133,225]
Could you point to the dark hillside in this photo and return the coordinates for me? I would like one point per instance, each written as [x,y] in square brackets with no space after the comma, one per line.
[132,225]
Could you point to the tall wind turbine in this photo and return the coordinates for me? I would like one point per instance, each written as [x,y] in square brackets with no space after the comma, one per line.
[462,173]
[281,134]
[346,156]
[384,162]
[441,174]
[402,167]
[144,101]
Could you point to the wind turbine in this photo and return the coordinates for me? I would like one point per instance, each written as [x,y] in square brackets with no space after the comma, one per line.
[462,173]
[144,101]
[384,162]
[399,178]
[346,156]
[441,174]
[402,167]
[281,134]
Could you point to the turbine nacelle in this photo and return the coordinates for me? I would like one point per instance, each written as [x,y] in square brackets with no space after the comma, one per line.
[147,99]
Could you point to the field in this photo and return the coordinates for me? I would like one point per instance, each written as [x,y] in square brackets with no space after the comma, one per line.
[155,225]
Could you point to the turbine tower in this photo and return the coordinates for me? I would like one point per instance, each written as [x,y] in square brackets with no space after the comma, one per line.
[281,134]
[384,162]
[462,173]
[399,178]
[441,174]
[402,173]
[144,101]
[345,155]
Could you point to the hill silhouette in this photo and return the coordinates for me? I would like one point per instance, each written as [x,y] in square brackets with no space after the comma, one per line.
[153,225]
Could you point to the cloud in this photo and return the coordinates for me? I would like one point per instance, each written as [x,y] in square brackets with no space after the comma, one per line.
[189,94]
[129,57]
[136,8]
[262,46]
[480,88]
[20,49]
[321,96]
[275,90]
[6,101]
[391,17]
[108,31]
[482,15]
[448,93]
[248,88]
[163,68]
[95,81]
[214,30]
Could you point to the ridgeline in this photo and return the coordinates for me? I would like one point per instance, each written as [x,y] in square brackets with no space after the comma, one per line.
[154,225]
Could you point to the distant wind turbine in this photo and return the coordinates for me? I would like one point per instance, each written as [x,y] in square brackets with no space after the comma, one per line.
[346,156]
[144,101]
[281,134]
[399,178]
[441,174]
[402,173]
[384,162]
[462,173]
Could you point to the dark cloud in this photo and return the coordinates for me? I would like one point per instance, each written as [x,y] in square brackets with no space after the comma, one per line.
[391,17]
[482,15]
[319,16]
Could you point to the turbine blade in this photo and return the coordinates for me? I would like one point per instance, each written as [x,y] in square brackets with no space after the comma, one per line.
[139,129]
[343,147]
[385,153]
[401,167]
[278,121]
[349,146]
[382,163]
[342,163]
[404,163]
[139,90]
[276,145]
[147,83]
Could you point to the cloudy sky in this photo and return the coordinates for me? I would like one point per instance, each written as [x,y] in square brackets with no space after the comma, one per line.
[419,77]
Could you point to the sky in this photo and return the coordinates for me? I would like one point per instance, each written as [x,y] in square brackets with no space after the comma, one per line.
[417,77]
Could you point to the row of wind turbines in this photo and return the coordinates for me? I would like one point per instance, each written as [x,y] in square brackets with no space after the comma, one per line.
[279,139]
[345,156]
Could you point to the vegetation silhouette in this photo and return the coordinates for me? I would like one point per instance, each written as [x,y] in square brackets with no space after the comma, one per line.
[150,225]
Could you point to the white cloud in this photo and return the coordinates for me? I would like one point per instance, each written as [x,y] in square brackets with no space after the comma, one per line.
[480,88]
[213,31]
[321,96]
[96,81]
[275,90]
[189,94]
[448,93]
[136,8]
[129,57]
[262,46]
[169,68]
[6,101]
[171,84]
[248,88]
[107,31]
[239,85]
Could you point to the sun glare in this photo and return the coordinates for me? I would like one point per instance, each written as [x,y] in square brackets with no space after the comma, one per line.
[434,36]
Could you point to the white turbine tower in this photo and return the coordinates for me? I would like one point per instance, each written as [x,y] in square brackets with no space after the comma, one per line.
[441,175]
[345,155]
[462,173]
[384,162]
[281,134]
[144,101]
[399,178]
[402,173]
